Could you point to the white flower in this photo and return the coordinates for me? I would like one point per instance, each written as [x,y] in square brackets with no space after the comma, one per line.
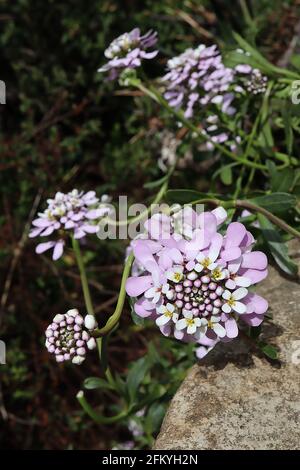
[78,360]
[208,261]
[214,324]
[90,322]
[218,273]
[154,293]
[166,314]
[232,279]
[232,299]
[91,344]
[175,274]
[192,324]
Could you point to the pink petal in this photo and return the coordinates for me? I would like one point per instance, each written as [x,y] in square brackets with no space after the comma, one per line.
[231,254]
[58,250]
[44,247]
[254,275]
[220,214]
[140,309]
[136,286]
[254,260]
[235,234]
[253,319]
[231,328]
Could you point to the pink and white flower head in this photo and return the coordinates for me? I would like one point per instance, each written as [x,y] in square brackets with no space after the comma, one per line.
[75,213]
[198,77]
[127,52]
[197,287]
[68,336]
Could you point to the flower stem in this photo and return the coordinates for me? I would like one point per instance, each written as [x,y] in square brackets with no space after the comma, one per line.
[153,94]
[114,318]
[273,218]
[97,417]
[83,277]
[139,217]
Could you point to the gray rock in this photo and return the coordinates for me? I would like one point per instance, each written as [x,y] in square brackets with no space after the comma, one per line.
[237,399]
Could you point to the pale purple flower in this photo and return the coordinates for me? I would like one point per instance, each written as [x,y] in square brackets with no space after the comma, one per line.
[195,287]
[74,213]
[68,337]
[196,78]
[249,79]
[127,52]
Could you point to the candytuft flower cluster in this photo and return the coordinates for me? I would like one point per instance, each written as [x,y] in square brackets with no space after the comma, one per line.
[68,336]
[198,77]
[195,281]
[128,51]
[75,213]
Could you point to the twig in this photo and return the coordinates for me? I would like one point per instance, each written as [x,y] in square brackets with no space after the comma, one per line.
[107,304]
[17,254]
[285,59]
[193,23]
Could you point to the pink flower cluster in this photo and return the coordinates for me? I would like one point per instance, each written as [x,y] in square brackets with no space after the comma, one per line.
[75,213]
[127,52]
[197,287]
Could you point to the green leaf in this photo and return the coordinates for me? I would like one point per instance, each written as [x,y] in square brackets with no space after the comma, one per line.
[154,418]
[276,202]
[265,138]
[269,350]
[234,58]
[295,61]
[254,54]
[288,130]
[277,247]
[281,181]
[185,196]
[155,184]
[136,375]
[91,383]
[226,175]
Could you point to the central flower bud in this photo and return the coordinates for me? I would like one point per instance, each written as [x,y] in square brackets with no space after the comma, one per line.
[200,293]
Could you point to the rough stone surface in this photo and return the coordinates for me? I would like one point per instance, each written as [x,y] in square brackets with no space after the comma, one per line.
[237,399]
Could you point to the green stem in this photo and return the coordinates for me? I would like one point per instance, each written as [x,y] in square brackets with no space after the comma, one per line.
[261,116]
[248,19]
[102,348]
[114,319]
[159,196]
[83,277]
[273,218]
[240,203]
[141,216]
[97,417]
[152,93]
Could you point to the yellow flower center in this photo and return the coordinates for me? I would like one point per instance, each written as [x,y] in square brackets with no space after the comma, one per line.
[209,324]
[190,321]
[177,277]
[168,314]
[206,262]
[216,274]
[231,301]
